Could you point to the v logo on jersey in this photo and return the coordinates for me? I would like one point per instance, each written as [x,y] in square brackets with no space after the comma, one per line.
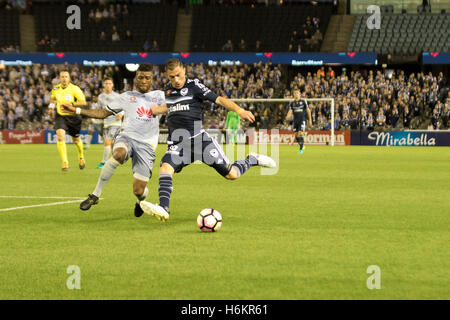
[144,112]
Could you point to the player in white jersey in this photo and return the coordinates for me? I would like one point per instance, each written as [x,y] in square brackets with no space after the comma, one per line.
[95,125]
[137,139]
[112,123]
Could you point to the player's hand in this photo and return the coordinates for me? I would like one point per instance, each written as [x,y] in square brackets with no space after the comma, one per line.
[246,115]
[68,108]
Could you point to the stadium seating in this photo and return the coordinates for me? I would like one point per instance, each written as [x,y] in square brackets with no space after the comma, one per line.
[146,22]
[271,25]
[405,34]
[9,20]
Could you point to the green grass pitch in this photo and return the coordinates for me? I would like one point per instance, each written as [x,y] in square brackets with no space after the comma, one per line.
[308,232]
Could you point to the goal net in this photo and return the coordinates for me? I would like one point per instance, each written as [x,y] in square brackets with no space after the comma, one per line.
[310,101]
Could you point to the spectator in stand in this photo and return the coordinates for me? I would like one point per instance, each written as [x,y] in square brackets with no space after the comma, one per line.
[436,120]
[105,13]
[115,37]
[354,120]
[258,46]
[380,121]
[394,116]
[242,46]
[128,35]
[370,122]
[147,46]
[102,36]
[228,46]
[98,15]
[321,72]
[155,46]
[91,15]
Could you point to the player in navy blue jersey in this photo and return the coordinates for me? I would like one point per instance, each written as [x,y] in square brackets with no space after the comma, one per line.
[187,141]
[298,108]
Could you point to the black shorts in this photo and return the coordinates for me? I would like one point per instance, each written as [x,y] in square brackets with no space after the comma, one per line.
[299,126]
[201,147]
[72,124]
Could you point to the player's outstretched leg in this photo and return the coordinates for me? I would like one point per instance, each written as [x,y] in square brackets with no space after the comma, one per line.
[106,174]
[161,211]
[253,159]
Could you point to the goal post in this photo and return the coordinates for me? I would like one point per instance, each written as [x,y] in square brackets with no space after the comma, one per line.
[262,100]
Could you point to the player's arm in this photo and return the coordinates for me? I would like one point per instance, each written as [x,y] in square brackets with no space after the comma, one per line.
[289,115]
[51,107]
[119,116]
[309,117]
[230,105]
[159,109]
[91,113]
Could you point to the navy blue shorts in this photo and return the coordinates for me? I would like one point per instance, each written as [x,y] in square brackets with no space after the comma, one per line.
[299,126]
[201,147]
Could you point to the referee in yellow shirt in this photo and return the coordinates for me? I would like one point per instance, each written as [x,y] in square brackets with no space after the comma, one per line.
[69,94]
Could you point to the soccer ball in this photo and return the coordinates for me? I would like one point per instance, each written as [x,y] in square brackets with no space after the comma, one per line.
[209,220]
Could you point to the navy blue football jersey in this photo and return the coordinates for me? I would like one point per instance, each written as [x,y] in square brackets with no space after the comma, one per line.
[299,109]
[185,106]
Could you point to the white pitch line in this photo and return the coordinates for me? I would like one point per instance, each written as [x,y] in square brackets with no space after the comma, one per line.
[40,205]
[37,197]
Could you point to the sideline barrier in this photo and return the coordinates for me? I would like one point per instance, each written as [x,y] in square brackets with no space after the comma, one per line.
[284,137]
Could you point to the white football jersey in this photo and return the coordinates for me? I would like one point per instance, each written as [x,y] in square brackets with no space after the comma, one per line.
[104,99]
[137,123]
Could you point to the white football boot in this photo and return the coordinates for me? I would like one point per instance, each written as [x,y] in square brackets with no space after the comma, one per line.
[264,161]
[154,210]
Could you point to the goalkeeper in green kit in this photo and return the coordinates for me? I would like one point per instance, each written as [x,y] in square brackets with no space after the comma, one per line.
[232,124]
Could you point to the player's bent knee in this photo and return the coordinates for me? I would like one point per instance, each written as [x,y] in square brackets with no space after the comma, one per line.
[166,168]
[119,154]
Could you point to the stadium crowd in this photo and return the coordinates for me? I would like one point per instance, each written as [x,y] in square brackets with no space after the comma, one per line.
[366,99]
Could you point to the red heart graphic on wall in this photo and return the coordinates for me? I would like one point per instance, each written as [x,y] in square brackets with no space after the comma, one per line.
[184,54]
[434,54]
[143,54]
[268,54]
[59,54]
[351,54]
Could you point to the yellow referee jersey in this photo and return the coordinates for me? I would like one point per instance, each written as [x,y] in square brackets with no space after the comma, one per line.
[69,94]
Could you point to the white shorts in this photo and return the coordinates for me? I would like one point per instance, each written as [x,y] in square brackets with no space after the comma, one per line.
[142,153]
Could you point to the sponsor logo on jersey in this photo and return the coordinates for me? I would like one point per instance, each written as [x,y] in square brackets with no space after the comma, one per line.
[144,112]
[133,99]
[178,107]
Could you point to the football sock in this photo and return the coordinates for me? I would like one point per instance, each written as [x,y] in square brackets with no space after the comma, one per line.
[300,141]
[165,189]
[107,172]
[143,196]
[106,152]
[62,149]
[243,165]
[79,146]
[88,140]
